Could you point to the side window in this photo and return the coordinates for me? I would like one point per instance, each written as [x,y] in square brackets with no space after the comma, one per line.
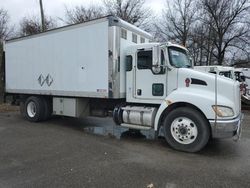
[162,57]
[213,72]
[134,38]
[162,62]
[124,33]
[157,89]
[129,63]
[142,40]
[144,59]
[225,73]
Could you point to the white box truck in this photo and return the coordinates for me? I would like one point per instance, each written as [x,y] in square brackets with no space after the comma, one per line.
[108,64]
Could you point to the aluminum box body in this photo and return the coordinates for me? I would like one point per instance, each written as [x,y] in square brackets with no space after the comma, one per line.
[82,60]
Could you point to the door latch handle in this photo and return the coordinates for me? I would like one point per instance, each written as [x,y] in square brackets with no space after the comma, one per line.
[139,92]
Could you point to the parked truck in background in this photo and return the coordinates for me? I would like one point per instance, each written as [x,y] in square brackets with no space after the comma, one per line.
[226,71]
[110,65]
[232,73]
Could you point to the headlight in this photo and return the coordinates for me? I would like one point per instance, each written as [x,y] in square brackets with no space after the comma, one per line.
[223,111]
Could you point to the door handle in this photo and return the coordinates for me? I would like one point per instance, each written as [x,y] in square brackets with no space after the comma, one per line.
[139,92]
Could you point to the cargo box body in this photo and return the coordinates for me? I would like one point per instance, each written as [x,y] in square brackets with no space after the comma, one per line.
[82,60]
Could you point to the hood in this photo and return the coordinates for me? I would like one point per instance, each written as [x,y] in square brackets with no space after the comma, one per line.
[196,79]
[227,90]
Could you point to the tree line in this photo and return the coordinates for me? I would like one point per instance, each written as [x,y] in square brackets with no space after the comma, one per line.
[214,31]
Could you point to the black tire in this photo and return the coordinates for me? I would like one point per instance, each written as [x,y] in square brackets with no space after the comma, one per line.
[47,108]
[38,104]
[117,114]
[178,118]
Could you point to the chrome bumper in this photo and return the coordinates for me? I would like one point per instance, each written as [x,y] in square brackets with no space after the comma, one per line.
[227,128]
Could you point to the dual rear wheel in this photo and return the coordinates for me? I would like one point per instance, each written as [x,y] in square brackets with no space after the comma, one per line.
[36,109]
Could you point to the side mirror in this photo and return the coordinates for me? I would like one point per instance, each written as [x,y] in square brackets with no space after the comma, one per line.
[156,68]
[243,78]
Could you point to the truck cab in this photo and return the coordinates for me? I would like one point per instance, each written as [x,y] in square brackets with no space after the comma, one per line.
[163,91]
[148,71]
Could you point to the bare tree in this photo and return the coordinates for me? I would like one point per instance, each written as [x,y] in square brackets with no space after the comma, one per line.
[4,33]
[200,42]
[29,26]
[132,11]
[228,21]
[4,28]
[81,14]
[177,20]
[34,25]
[197,43]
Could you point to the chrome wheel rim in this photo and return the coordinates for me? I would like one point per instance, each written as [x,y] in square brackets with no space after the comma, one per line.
[184,130]
[31,109]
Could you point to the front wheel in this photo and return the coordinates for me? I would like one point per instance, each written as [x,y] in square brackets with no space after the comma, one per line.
[186,129]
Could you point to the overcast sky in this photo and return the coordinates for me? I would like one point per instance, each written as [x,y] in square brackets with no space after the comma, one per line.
[17,9]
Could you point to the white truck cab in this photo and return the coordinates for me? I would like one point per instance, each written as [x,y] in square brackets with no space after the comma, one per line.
[107,65]
[192,105]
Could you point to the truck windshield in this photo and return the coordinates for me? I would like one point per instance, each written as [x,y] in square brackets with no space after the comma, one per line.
[226,74]
[179,58]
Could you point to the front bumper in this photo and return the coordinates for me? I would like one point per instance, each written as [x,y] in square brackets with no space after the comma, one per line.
[227,128]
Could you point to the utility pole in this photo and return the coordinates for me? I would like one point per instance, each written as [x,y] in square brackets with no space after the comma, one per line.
[42,16]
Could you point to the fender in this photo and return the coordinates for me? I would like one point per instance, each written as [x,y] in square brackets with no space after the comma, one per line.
[203,100]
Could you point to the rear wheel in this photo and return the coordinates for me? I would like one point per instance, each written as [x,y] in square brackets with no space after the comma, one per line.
[34,109]
[186,130]
[47,108]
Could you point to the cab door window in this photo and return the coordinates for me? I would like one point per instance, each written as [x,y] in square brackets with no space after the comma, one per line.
[144,59]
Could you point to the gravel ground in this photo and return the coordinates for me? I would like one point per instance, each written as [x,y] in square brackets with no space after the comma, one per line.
[8,108]
[59,153]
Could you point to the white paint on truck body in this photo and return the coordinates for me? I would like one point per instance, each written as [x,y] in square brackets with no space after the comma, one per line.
[81,60]
[67,56]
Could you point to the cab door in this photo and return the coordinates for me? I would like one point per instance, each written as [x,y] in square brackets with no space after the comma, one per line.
[149,85]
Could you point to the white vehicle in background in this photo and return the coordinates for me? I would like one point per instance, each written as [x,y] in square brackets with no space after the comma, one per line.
[246,72]
[244,75]
[230,72]
[109,65]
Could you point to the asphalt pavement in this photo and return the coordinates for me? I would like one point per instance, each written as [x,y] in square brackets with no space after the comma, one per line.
[62,152]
